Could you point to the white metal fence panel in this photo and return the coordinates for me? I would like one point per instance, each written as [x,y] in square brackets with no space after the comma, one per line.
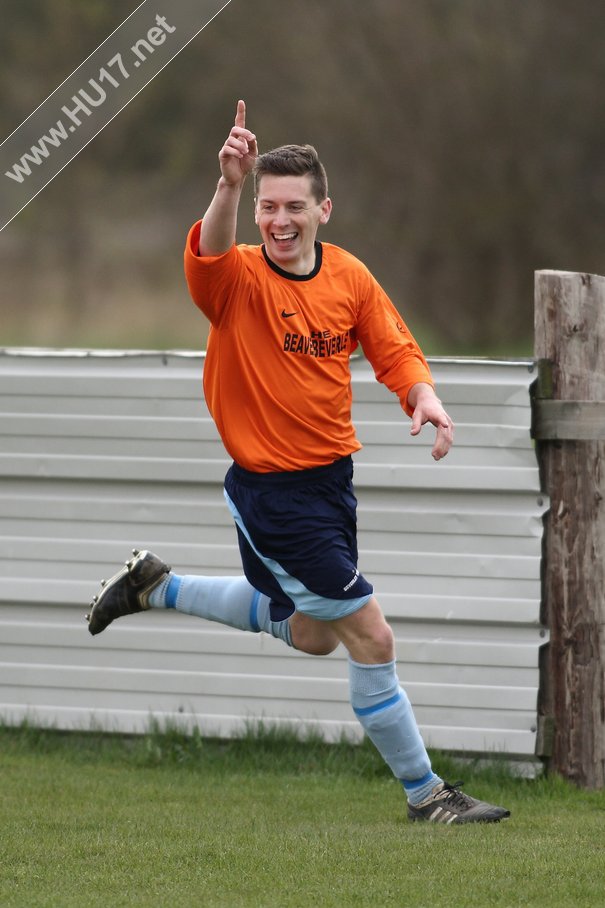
[103,452]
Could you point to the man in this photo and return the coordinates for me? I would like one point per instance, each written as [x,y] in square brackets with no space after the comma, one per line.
[285,317]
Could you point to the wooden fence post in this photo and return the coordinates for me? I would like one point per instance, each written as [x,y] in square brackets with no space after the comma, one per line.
[569,426]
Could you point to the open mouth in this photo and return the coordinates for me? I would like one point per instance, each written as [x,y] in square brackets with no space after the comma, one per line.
[284,237]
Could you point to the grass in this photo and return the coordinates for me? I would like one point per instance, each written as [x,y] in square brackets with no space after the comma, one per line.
[266,821]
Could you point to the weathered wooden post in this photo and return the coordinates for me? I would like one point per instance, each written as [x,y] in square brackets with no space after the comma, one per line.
[569,426]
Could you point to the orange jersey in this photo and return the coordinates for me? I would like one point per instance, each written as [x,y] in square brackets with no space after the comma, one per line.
[276,378]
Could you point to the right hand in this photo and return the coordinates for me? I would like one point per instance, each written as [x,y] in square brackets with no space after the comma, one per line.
[238,154]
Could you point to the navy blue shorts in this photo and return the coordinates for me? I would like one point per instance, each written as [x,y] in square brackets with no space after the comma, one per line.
[297,534]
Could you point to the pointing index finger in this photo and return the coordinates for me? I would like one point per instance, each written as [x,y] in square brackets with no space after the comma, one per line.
[240,116]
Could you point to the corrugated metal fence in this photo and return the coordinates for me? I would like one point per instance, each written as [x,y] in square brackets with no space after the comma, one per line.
[103,452]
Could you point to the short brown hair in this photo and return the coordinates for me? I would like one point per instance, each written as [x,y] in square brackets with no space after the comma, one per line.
[293,160]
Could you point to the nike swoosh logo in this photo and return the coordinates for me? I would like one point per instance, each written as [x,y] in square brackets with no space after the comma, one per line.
[285,314]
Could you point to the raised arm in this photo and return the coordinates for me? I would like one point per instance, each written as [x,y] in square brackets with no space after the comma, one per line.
[236,159]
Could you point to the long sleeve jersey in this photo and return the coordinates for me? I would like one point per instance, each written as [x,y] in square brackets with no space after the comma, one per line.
[276,377]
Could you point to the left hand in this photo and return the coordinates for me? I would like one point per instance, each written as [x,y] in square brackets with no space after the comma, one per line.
[428,408]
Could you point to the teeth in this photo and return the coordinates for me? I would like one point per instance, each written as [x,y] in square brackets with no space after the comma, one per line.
[284,236]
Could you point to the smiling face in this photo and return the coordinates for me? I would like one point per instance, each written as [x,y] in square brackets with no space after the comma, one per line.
[288,216]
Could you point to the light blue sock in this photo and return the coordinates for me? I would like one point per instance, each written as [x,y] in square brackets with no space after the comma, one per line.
[228,600]
[385,712]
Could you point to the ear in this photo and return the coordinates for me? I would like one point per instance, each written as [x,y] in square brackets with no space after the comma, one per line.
[256,210]
[326,211]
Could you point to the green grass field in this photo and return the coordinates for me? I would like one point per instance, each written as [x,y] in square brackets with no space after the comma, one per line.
[268,822]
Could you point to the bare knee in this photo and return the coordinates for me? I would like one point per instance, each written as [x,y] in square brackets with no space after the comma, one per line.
[316,638]
[377,647]
[320,647]
[382,642]
[366,635]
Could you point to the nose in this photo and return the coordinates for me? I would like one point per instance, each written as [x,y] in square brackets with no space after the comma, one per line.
[281,217]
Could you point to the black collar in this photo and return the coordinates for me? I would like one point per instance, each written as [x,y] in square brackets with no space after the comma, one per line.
[296,277]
